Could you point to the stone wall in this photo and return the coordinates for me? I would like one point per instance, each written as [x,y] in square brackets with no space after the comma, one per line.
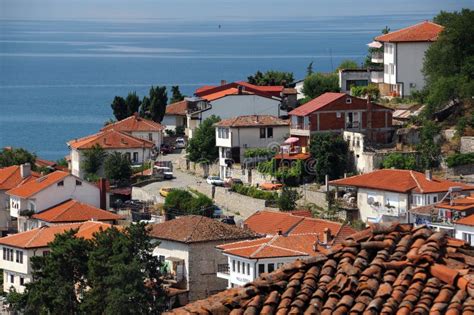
[201,170]
[467,145]
[311,196]
[460,170]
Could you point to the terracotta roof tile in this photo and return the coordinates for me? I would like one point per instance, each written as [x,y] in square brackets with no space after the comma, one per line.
[195,228]
[110,139]
[42,236]
[75,211]
[10,177]
[253,121]
[216,92]
[134,123]
[353,280]
[31,187]
[469,220]
[403,181]
[178,108]
[422,32]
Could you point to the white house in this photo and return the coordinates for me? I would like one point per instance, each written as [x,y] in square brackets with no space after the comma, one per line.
[138,150]
[464,229]
[140,128]
[387,195]
[236,135]
[403,55]
[10,177]
[175,115]
[17,250]
[50,190]
[187,246]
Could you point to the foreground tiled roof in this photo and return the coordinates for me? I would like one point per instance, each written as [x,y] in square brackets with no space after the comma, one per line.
[10,177]
[110,139]
[386,269]
[253,121]
[134,123]
[195,228]
[75,211]
[42,236]
[403,181]
[31,187]
[178,108]
[422,32]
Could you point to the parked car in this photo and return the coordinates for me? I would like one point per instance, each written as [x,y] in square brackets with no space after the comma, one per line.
[166,171]
[164,191]
[229,181]
[166,149]
[180,143]
[228,220]
[215,180]
[270,186]
[218,212]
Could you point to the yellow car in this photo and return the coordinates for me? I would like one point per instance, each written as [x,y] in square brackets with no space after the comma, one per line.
[164,191]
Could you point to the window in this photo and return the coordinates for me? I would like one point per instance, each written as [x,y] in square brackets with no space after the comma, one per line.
[61,183]
[238,266]
[128,155]
[243,268]
[135,157]
[19,256]
[45,252]
[348,100]
[12,278]
[262,133]
[248,269]
[270,132]
[435,199]
[233,265]
[150,136]
[4,253]
[78,183]
[22,281]
[8,254]
[271,267]
[223,133]
[261,269]
[468,237]
[392,68]
[32,206]
[385,69]
[161,258]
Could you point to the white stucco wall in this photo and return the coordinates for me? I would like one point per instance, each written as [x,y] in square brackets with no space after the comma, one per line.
[18,269]
[461,229]
[173,249]
[156,136]
[173,121]
[237,105]
[389,58]
[410,58]
[372,212]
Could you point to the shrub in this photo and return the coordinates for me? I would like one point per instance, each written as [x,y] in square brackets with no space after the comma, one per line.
[400,161]
[288,198]
[460,159]
[254,192]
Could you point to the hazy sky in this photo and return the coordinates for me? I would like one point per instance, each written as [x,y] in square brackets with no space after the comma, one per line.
[216,9]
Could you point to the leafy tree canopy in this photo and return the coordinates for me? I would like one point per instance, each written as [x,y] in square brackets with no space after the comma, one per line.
[182,202]
[93,158]
[271,77]
[347,64]
[117,168]
[16,156]
[124,108]
[176,95]
[400,161]
[309,69]
[154,106]
[430,150]
[288,198]
[320,83]
[202,147]
[331,154]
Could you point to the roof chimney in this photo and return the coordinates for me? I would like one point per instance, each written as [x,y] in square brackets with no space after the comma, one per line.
[428,175]
[223,82]
[25,170]
[240,88]
[327,236]
[136,115]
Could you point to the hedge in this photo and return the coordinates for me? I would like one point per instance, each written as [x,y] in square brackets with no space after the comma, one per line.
[460,159]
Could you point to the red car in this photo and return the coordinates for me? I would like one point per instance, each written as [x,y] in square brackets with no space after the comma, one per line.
[270,186]
[166,149]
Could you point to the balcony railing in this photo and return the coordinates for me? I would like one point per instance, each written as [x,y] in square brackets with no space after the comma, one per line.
[223,268]
[352,125]
[376,76]
[377,57]
[199,107]
[301,126]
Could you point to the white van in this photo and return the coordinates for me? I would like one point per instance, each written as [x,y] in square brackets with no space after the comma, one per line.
[166,171]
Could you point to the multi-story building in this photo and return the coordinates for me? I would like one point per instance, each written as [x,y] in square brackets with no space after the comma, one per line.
[18,249]
[236,135]
[138,150]
[403,55]
[387,195]
[337,112]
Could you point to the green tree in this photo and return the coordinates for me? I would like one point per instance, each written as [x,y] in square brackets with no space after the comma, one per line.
[400,161]
[271,77]
[430,150]
[347,64]
[58,277]
[123,108]
[16,156]
[449,62]
[288,198]
[176,95]
[320,83]
[202,147]
[309,69]
[331,154]
[123,275]
[117,168]
[154,106]
[93,159]
[182,202]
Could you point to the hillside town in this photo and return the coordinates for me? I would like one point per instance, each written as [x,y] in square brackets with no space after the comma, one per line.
[260,196]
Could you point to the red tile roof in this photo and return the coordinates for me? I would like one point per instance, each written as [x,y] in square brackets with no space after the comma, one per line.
[316,104]
[253,121]
[422,32]
[386,269]
[214,93]
[44,235]
[10,177]
[110,139]
[195,228]
[178,108]
[402,181]
[134,123]
[32,187]
[75,211]
[469,220]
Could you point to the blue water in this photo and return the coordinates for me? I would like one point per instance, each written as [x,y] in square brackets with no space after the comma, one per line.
[58,78]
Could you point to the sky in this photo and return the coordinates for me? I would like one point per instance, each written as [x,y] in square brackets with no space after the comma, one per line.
[216,9]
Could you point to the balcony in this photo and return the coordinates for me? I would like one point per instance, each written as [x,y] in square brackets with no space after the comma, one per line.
[353,125]
[198,107]
[376,76]
[300,129]
[223,271]
[377,57]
